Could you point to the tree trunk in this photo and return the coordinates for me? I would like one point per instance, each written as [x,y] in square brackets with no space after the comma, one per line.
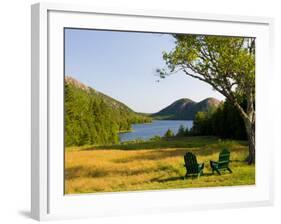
[250,129]
[249,121]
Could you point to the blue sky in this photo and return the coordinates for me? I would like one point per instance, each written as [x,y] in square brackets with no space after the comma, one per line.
[122,65]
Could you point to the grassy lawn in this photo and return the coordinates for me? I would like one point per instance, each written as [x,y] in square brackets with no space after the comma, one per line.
[149,165]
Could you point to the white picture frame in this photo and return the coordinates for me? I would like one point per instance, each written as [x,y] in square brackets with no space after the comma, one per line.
[48,200]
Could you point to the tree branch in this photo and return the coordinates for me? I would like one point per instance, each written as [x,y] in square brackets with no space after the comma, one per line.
[227,93]
[222,91]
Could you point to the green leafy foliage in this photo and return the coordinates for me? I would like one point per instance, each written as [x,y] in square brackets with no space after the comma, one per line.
[225,63]
[202,124]
[224,122]
[181,132]
[92,118]
[227,122]
[169,133]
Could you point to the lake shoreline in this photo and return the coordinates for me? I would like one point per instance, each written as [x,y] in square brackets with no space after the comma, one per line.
[145,131]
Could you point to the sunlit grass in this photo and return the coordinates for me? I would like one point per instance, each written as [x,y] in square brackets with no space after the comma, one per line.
[128,167]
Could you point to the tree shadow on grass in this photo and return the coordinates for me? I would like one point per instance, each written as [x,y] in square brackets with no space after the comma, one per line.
[80,171]
[176,178]
[166,179]
[175,142]
[164,154]
[88,172]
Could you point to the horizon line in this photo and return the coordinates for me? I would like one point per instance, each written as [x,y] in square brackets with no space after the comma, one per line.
[81,83]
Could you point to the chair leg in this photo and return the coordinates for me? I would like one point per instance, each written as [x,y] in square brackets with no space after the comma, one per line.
[230,171]
[212,166]
[200,173]
[218,171]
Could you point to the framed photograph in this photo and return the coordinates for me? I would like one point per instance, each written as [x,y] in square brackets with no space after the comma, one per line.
[139,111]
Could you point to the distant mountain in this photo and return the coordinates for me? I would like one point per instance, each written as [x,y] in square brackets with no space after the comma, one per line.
[185,109]
[92,117]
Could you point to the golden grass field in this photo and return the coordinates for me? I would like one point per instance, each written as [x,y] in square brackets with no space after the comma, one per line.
[94,169]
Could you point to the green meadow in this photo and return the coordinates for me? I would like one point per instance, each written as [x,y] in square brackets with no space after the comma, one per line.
[153,164]
[113,107]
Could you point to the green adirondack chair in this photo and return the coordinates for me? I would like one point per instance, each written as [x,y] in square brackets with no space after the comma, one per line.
[191,165]
[222,164]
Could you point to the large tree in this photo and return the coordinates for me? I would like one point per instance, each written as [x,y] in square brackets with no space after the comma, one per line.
[225,63]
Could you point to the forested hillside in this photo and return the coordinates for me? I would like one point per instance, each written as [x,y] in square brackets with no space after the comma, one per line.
[224,122]
[185,109]
[94,118]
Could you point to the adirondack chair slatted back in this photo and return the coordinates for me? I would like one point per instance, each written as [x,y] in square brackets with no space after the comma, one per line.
[224,158]
[191,163]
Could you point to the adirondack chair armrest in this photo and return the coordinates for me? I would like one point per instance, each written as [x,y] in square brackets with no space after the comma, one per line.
[226,161]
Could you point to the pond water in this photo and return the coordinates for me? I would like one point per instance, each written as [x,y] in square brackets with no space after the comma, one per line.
[157,127]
